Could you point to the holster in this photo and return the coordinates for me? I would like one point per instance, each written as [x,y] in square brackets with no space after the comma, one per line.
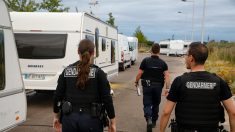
[222,129]
[96,109]
[104,117]
[174,126]
[66,107]
[146,83]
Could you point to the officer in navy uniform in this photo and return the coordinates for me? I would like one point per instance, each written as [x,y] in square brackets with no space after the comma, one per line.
[198,96]
[82,88]
[153,73]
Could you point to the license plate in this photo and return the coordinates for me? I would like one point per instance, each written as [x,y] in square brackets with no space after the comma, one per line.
[34,76]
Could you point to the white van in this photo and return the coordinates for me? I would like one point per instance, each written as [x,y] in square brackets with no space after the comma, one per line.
[47,43]
[174,47]
[133,43]
[12,93]
[124,52]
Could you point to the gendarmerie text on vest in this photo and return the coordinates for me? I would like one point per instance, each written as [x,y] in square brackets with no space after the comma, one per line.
[201,85]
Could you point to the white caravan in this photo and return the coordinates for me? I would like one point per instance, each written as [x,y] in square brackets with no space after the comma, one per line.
[47,43]
[133,43]
[12,93]
[124,52]
[174,47]
[186,46]
[164,47]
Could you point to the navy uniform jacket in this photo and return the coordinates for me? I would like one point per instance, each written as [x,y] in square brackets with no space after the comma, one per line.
[96,89]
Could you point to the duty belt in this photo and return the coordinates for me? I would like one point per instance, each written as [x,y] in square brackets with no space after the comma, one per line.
[78,108]
[149,82]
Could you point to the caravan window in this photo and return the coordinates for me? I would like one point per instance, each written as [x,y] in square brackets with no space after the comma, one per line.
[185,46]
[90,37]
[112,51]
[132,46]
[163,46]
[41,46]
[97,41]
[2,61]
[103,44]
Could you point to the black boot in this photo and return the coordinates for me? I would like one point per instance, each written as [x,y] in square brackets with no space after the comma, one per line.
[149,125]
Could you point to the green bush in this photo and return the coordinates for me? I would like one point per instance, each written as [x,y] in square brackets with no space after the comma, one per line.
[221,61]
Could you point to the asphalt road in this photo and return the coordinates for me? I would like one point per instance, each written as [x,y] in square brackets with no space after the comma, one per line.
[128,105]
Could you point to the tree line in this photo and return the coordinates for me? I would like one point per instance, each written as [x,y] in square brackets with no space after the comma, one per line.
[32,5]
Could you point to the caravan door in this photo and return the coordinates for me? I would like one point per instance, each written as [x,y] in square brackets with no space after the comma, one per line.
[12,94]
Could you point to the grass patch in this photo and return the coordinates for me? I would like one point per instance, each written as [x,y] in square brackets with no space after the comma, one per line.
[145,49]
[225,52]
[221,61]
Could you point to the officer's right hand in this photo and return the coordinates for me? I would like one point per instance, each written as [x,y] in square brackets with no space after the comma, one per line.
[112,126]
[57,124]
[136,84]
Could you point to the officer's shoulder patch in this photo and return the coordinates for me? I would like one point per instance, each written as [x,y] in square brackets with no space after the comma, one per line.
[71,71]
[92,72]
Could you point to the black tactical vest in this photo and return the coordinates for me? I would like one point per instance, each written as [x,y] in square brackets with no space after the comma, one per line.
[77,96]
[153,70]
[199,103]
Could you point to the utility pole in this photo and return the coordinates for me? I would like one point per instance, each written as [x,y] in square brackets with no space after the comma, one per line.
[203,22]
[186,17]
[93,3]
[193,14]
[76,9]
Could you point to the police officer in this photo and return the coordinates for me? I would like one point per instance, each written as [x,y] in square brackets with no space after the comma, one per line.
[81,89]
[198,96]
[153,73]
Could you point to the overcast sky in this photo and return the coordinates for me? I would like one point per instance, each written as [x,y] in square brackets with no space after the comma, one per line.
[159,19]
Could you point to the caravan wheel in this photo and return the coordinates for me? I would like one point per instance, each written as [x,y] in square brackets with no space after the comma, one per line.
[132,62]
[123,67]
[129,65]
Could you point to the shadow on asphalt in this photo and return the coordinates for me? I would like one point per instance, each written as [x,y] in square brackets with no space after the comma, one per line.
[40,99]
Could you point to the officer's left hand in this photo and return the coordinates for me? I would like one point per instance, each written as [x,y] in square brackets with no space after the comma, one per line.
[165,92]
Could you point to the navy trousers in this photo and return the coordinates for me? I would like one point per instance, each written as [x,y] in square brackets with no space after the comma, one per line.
[151,100]
[81,122]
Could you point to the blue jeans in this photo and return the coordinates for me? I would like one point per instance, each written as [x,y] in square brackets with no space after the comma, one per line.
[151,100]
[81,122]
